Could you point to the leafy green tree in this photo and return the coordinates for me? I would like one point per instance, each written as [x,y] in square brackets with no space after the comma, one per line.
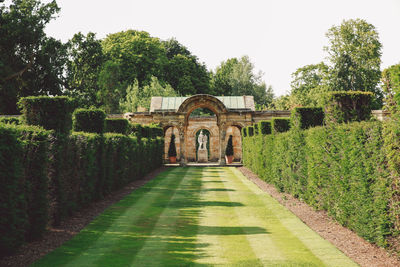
[183,70]
[30,62]
[354,54]
[237,77]
[83,68]
[391,86]
[141,97]
[309,85]
[139,55]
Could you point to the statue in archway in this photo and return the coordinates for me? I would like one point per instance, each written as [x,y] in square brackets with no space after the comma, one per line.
[202,139]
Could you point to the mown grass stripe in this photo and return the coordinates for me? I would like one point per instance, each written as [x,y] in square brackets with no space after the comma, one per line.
[98,238]
[326,253]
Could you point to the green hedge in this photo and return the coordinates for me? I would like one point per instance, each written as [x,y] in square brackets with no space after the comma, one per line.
[340,168]
[280,125]
[89,120]
[52,113]
[347,106]
[304,117]
[250,130]
[11,120]
[45,177]
[146,131]
[23,192]
[117,126]
[244,132]
[265,127]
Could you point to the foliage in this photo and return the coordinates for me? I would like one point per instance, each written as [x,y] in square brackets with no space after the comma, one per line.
[244,132]
[346,106]
[391,86]
[141,97]
[83,68]
[250,130]
[280,125]
[340,168]
[52,113]
[229,147]
[11,120]
[89,120]
[30,62]
[236,77]
[23,194]
[117,126]
[172,147]
[304,118]
[308,85]
[354,53]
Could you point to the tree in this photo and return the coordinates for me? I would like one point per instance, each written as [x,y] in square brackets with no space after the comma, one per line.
[139,55]
[308,85]
[83,68]
[391,86]
[354,53]
[141,97]
[30,62]
[236,77]
[183,70]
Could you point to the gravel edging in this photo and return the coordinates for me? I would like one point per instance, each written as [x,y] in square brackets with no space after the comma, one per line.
[56,236]
[355,247]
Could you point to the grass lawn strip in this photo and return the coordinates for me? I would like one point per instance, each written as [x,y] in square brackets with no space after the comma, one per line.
[98,239]
[322,249]
[155,251]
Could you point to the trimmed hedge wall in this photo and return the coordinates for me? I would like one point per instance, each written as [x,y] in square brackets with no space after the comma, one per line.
[146,131]
[304,118]
[340,168]
[265,127]
[88,120]
[45,176]
[52,113]
[117,126]
[280,125]
[11,120]
[347,106]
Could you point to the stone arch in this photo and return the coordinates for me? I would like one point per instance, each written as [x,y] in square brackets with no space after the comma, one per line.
[202,101]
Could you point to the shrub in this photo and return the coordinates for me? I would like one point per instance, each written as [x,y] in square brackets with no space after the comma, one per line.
[244,132]
[11,120]
[346,106]
[255,127]
[52,113]
[304,118]
[280,125]
[265,127]
[172,148]
[117,126]
[229,147]
[89,120]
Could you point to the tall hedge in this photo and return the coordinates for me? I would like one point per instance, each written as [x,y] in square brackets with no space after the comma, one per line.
[117,126]
[52,113]
[265,127]
[305,117]
[340,168]
[89,120]
[347,106]
[280,125]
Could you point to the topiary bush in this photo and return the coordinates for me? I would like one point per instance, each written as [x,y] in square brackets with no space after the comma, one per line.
[304,117]
[52,113]
[347,106]
[117,126]
[250,130]
[229,147]
[265,127]
[172,147]
[89,120]
[280,125]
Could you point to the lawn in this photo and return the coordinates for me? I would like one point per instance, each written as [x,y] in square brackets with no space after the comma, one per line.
[197,217]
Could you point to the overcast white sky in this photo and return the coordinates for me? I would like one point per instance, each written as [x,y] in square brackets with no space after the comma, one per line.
[279,36]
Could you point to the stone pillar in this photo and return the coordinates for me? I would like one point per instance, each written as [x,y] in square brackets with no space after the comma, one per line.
[182,145]
[222,134]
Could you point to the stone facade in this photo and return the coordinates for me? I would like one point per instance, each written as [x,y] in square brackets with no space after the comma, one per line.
[231,115]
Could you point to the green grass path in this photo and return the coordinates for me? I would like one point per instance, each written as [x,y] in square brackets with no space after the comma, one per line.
[197,217]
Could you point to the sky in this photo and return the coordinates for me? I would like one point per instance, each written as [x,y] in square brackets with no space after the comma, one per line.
[279,36]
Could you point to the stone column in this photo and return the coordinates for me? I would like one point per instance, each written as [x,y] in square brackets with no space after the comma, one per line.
[182,145]
[222,134]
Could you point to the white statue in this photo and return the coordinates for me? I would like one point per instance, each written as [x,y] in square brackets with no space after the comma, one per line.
[202,139]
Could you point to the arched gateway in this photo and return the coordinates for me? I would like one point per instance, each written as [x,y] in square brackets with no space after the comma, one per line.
[231,113]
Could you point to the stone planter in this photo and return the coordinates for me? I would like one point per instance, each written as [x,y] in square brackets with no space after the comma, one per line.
[229,159]
[172,159]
